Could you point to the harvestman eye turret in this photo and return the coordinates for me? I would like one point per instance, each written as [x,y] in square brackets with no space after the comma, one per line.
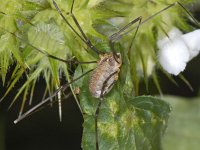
[107,71]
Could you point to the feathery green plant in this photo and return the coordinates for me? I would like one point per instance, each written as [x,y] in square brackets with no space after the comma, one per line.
[125,122]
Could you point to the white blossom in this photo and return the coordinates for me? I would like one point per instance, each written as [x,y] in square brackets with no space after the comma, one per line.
[176,50]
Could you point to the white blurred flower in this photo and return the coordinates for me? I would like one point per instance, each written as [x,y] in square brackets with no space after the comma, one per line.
[177,49]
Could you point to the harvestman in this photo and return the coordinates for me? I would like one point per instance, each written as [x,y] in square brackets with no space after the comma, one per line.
[106,73]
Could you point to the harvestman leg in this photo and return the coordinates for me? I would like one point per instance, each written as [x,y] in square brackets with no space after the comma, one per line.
[98,107]
[159,12]
[83,34]
[84,38]
[118,35]
[61,88]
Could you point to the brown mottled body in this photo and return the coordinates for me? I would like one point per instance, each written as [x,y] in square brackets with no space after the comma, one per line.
[107,71]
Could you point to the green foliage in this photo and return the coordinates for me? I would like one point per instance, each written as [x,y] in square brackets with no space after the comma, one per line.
[183,129]
[125,122]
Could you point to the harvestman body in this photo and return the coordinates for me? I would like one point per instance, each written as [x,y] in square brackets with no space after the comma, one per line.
[102,80]
[105,74]
[107,71]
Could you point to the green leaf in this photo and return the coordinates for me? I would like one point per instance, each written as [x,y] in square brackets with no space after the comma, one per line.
[124,122]
[183,128]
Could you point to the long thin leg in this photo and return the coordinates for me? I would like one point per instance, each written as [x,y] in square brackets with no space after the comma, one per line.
[159,12]
[84,38]
[80,29]
[98,107]
[60,100]
[116,36]
[62,88]
[96,125]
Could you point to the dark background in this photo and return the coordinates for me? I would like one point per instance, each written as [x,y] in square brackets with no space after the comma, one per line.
[42,130]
